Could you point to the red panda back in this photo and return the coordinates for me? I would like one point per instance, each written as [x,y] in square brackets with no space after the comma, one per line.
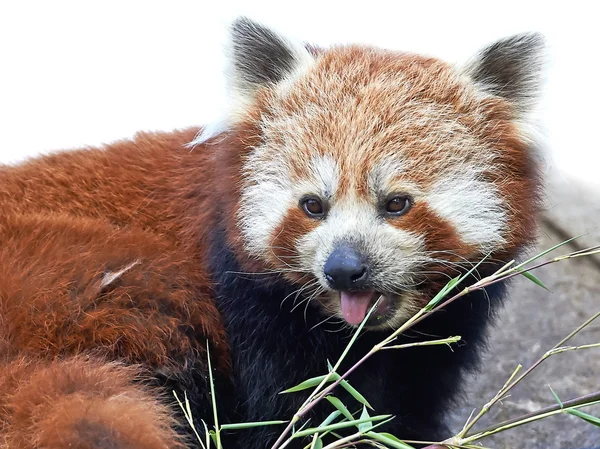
[128,183]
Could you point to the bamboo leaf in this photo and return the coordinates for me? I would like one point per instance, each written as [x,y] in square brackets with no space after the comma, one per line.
[436,299]
[442,293]
[543,253]
[585,416]
[309,383]
[453,282]
[349,388]
[213,437]
[247,425]
[332,417]
[317,443]
[355,394]
[389,440]
[556,397]
[534,279]
[340,425]
[365,426]
[450,285]
[340,406]
[189,411]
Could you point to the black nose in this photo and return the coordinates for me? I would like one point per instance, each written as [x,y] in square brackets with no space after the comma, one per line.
[345,269]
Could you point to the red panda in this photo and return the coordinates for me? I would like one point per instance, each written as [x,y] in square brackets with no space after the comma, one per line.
[338,177]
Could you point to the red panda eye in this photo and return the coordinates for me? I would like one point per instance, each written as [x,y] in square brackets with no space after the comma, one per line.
[398,205]
[313,207]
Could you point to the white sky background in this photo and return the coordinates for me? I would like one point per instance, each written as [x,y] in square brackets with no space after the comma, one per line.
[76,73]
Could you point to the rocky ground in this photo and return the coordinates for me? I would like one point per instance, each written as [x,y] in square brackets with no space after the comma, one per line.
[533,321]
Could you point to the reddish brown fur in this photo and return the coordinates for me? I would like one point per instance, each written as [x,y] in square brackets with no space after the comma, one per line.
[80,403]
[232,149]
[68,221]
[294,225]
[438,232]
[63,308]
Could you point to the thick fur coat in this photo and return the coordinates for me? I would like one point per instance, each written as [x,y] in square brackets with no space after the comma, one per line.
[120,264]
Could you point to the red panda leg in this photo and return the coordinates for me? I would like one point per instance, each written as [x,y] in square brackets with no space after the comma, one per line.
[80,403]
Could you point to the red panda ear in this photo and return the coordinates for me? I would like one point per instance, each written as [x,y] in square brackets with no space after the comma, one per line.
[261,57]
[258,58]
[511,68]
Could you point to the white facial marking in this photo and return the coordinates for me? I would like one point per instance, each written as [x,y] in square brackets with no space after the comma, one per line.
[269,193]
[384,173]
[323,178]
[472,206]
[266,198]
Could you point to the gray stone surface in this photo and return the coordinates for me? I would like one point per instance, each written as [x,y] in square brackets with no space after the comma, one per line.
[533,321]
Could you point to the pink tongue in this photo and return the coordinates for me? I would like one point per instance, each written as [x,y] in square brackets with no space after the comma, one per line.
[355,305]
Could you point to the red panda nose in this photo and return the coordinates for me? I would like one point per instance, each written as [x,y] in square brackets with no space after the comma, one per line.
[345,269]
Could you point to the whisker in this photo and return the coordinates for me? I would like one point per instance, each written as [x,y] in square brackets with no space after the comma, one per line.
[304,299]
[313,296]
[298,291]
[322,322]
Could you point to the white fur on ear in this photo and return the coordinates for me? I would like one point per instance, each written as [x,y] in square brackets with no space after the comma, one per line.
[511,68]
[257,57]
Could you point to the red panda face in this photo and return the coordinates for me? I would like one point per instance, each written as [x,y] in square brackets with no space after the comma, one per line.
[380,175]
